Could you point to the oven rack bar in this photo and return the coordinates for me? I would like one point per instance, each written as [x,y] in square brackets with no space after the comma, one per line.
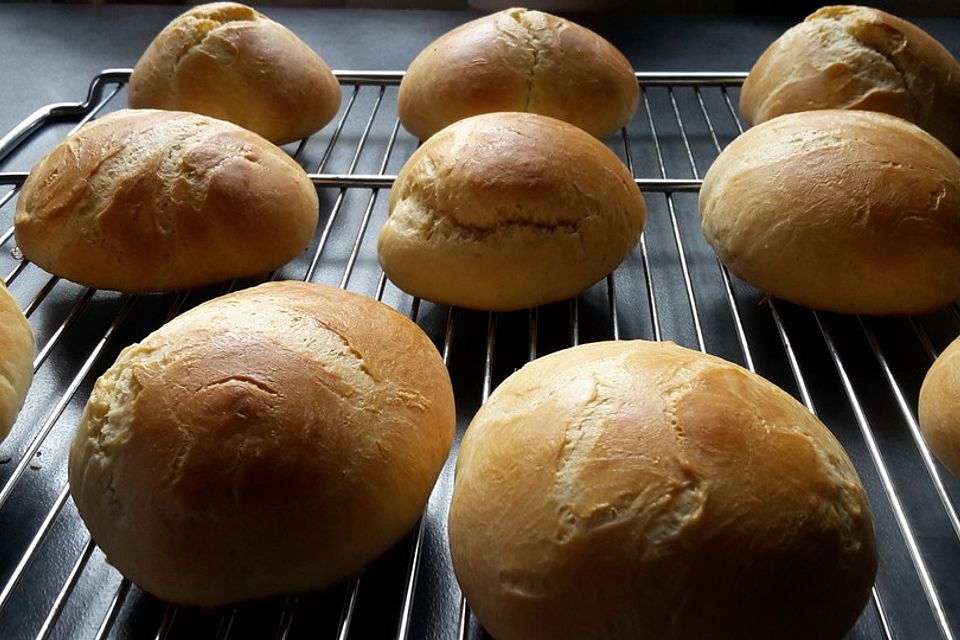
[385,181]
[119,77]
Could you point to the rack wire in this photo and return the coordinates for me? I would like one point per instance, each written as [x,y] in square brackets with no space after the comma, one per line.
[861,375]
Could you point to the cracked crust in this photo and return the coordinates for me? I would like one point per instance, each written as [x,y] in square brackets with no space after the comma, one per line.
[16,360]
[228,61]
[519,60]
[217,456]
[627,490]
[846,211]
[507,211]
[850,57]
[145,200]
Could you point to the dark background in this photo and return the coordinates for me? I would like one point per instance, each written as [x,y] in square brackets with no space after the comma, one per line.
[789,7]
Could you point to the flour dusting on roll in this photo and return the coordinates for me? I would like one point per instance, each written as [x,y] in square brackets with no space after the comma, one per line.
[939,407]
[846,211]
[850,57]
[639,490]
[507,211]
[16,360]
[269,441]
[148,200]
[230,62]
[519,60]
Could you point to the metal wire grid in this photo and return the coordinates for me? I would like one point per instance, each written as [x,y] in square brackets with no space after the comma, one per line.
[861,374]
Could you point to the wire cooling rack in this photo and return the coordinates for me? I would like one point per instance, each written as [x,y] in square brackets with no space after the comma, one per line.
[861,375]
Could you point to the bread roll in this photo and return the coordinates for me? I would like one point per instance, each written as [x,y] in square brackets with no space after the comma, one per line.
[269,441]
[634,490]
[847,211]
[848,57]
[16,360]
[227,61]
[507,211]
[519,60]
[939,407]
[142,201]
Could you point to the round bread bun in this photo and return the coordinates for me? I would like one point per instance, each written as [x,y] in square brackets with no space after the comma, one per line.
[635,490]
[507,211]
[847,211]
[939,407]
[849,57]
[227,61]
[269,441]
[16,360]
[144,200]
[519,60]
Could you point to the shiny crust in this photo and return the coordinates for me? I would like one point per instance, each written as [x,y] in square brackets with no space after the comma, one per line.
[627,490]
[519,60]
[144,200]
[269,441]
[849,57]
[16,360]
[227,61]
[507,211]
[847,211]
[939,407]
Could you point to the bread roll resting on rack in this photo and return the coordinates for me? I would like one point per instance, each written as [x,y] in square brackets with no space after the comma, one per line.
[273,440]
[16,360]
[846,211]
[519,60]
[939,409]
[146,200]
[638,490]
[850,57]
[228,61]
[507,211]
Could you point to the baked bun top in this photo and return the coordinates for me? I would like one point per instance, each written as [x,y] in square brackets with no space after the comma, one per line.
[850,57]
[519,60]
[230,62]
[272,440]
[847,211]
[509,210]
[939,408]
[148,200]
[16,360]
[624,490]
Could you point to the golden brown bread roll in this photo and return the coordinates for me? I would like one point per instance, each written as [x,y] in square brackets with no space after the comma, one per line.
[227,61]
[847,211]
[268,441]
[16,360]
[939,407]
[144,200]
[509,210]
[519,60]
[849,57]
[633,490]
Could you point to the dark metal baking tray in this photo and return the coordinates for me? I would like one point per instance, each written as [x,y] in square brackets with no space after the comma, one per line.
[861,375]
